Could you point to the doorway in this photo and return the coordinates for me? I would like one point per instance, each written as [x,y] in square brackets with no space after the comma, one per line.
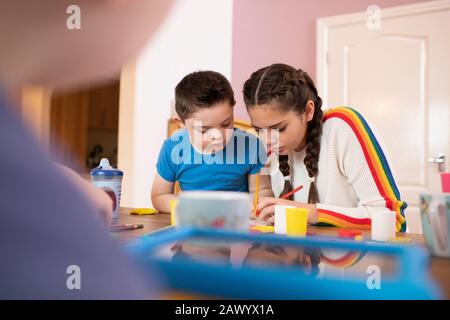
[84,126]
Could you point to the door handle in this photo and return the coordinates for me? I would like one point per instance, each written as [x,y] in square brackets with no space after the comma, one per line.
[439,160]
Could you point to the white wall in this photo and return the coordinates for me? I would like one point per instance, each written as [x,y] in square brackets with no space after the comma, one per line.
[197,34]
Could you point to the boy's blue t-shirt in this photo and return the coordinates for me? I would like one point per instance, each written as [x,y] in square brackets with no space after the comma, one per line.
[225,170]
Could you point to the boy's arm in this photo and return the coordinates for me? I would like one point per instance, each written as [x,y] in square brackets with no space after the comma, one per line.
[162,193]
[265,189]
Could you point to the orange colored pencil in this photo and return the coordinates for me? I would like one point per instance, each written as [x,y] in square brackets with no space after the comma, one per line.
[256,196]
[290,193]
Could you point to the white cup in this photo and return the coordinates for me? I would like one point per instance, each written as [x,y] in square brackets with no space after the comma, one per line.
[214,209]
[280,219]
[383,224]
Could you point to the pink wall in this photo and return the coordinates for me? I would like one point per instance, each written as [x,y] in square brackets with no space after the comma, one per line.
[269,31]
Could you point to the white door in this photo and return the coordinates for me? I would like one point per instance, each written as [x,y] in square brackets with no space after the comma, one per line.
[397,74]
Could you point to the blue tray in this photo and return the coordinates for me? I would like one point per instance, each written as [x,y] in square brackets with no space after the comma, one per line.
[411,281]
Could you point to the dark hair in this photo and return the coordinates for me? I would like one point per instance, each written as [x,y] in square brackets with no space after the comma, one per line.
[313,253]
[292,89]
[201,89]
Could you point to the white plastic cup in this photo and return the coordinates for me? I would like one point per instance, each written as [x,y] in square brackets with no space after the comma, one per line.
[280,219]
[213,209]
[383,224]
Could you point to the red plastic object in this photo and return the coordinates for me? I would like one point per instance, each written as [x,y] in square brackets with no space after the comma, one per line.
[346,233]
[445,180]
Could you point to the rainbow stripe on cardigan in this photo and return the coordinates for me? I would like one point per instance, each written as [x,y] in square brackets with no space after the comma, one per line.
[331,218]
[379,168]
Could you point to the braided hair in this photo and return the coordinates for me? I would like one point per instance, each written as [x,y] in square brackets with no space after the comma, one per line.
[292,89]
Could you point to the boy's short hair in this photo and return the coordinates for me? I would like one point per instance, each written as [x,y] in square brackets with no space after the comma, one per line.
[201,89]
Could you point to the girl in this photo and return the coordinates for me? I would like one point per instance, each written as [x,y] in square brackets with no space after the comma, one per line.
[335,155]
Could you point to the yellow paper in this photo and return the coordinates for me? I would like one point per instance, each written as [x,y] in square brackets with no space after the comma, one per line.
[296,221]
[173,206]
[264,229]
[143,211]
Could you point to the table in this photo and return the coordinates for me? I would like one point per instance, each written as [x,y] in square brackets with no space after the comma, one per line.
[439,268]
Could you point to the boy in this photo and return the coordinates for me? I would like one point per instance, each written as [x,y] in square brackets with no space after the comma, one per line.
[207,153]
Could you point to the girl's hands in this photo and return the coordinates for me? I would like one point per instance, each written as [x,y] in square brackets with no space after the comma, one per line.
[266,208]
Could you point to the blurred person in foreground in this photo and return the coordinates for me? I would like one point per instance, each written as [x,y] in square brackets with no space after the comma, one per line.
[49,219]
